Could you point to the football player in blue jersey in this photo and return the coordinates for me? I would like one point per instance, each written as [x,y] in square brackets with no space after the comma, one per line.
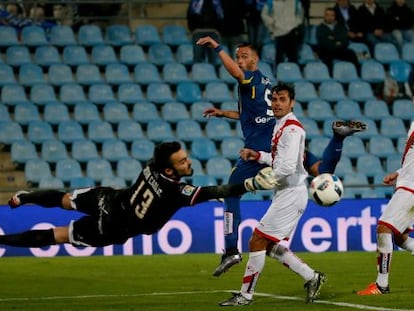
[257,123]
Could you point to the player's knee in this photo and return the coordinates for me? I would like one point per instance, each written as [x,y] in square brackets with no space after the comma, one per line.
[66,201]
[257,243]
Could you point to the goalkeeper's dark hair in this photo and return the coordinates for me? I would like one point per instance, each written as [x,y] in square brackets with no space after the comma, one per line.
[284,87]
[248,45]
[162,155]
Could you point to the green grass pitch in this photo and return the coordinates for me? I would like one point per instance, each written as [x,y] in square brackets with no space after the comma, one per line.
[184,282]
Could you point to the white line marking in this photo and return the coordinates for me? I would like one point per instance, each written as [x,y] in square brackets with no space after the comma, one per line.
[280,297]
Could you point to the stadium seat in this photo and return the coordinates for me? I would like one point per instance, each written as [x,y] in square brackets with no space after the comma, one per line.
[23,151]
[361,50]
[386,53]
[116,74]
[72,94]
[393,162]
[46,56]
[128,169]
[318,110]
[62,35]
[407,52]
[90,35]
[118,35]
[230,147]
[188,129]
[174,73]
[103,55]
[403,108]
[81,182]
[99,169]
[203,148]
[305,91]
[53,150]
[70,131]
[85,113]
[68,169]
[217,92]
[18,55]
[54,113]
[316,72]
[267,71]
[311,127]
[60,74]
[4,113]
[159,131]
[360,91]
[188,92]
[159,93]
[129,130]
[203,180]
[35,170]
[306,54]
[8,36]
[88,74]
[115,113]
[174,112]
[289,72]
[348,110]
[115,182]
[146,73]
[84,150]
[376,109]
[344,166]
[331,91]
[355,179]
[13,94]
[373,71]
[39,131]
[197,167]
[392,127]
[386,191]
[147,35]
[381,146]
[400,71]
[10,132]
[130,93]
[219,167]
[51,183]
[160,54]
[6,74]
[344,72]
[369,164]
[26,113]
[371,131]
[132,55]
[145,112]
[297,109]
[31,74]
[353,147]
[101,94]
[197,110]
[100,131]
[142,149]
[268,53]
[184,54]
[114,150]
[218,129]
[203,73]
[318,144]
[174,35]
[42,94]
[75,55]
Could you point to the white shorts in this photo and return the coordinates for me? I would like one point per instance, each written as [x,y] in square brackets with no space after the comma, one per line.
[283,214]
[399,212]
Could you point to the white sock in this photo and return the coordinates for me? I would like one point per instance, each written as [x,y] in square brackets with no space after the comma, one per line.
[385,248]
[290,260]
[408,245]
[254,267]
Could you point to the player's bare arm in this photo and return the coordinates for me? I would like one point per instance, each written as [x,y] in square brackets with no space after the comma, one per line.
[390,179]
[215,112]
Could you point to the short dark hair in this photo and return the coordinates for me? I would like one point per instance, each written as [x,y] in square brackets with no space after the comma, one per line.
[162,155]
[284,87]
[248,45]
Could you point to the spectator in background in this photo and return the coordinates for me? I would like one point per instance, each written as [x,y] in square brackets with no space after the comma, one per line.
[37,14]
[400,20]
[233,29]
[285,20]
[256,30]
[347,14]
[333,41]
[205,18]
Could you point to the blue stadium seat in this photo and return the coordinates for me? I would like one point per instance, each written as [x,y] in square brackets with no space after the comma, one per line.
[310,35]
[203,73]
[353,147]
[33,36]
[348,110]
[203,148]
[75,55]
[188,129]
[42,94]
[115,182]
[174,35]
[39,131]
[361,49]
[46,56]
[114,150]
[35,170]
[188,92]
[54,113]
[13,94]
[344,166]
[26,113]
[381,146]
[116,74]
[372,71]
[128,169]
[115,113]
[369,164]
[100,131]
[231,146]
[99,169]
[6,74]
[103,55]
[72,94]
[18,55]
[53,150]
[51,183]
[311,128]
[146,73]
[70,131]
[130,93]
[197,167]
[318,144]
[400,71]
[197,110]
[67,169]
[8,36]
[316,72]
[289,72]
[355,179]
[297,109]
[319,110]
[31,74]
[60,74]
[118,35]
[61,35]
[147,35]
[174,73]
[393,162]
[84,150]
[159,131]
[392,127]
[132,55]
[4,113]
[142,149]
[81,182]
[174,112]
[360,91]
[386,191]
[306,54]
[225,76]
[305,91]
[218,167]
[101,94]
[268,53]
[90,35]
[10,132]
[23,151]
[344,72]
[159,93]
[217,92]
[403,108]
[376,109]
[407,52]
[332,91]
[185,54]
[85,113]
[88,74]
[371,131]
[129,130]
[386,53]
[145,112]
[203,180]
[267,70]
[160,54]
[218,129]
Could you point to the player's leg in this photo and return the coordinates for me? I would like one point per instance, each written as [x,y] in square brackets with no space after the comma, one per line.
[44,198]
[37,238]
[405,242]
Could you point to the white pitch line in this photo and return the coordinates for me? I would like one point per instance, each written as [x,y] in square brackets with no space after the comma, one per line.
[280,297]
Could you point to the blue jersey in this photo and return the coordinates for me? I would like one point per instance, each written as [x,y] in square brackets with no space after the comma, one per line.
[256,116]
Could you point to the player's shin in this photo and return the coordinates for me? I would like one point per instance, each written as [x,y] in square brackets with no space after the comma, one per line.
[45,198]
[251,275]
[385,248]
[32,238]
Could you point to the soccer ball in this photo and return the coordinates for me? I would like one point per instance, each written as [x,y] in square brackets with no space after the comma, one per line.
[326,189]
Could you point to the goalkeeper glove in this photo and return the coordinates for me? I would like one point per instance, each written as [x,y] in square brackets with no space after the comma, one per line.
[264,180]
